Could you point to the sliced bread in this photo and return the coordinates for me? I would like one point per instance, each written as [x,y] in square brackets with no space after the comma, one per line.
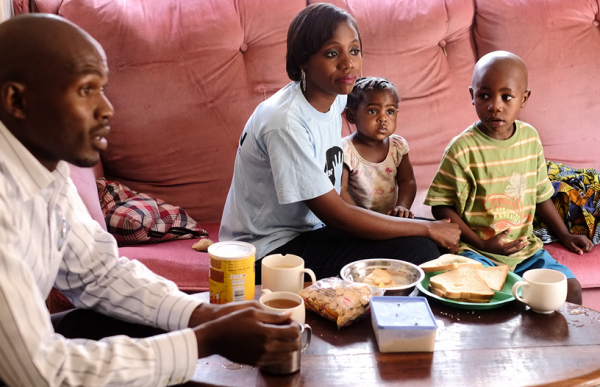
[463,282]
[494,276]
[448,262]
[471,300]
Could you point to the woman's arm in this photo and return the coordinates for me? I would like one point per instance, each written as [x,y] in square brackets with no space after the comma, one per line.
[344,187]
[361,223]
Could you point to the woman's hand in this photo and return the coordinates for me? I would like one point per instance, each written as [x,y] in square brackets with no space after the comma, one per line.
[445,234]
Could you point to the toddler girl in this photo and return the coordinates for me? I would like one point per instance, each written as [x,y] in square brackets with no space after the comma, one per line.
[377,171]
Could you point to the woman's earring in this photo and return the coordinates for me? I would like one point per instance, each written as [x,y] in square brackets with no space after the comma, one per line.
[303,80]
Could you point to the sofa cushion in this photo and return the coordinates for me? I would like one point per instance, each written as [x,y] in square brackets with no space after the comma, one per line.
[187,76]
[559,41]
[585,267]
[176,260]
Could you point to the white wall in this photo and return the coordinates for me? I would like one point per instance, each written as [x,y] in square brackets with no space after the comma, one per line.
[6,9]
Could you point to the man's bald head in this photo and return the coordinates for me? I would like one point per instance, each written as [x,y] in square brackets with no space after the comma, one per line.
[52,77]
[38,47]
[502,62]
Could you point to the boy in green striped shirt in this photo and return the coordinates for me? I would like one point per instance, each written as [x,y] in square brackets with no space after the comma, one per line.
[492,179]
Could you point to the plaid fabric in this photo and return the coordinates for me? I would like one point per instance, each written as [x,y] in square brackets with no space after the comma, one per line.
[577,200]
[139,218]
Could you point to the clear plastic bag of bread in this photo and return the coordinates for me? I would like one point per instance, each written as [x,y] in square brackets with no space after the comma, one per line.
[339,300]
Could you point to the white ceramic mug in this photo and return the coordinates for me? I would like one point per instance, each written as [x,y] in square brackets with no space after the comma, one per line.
[543,290]
[284,273]
[269,302]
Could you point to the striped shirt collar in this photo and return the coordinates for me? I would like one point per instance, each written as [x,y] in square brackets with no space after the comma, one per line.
[29,174]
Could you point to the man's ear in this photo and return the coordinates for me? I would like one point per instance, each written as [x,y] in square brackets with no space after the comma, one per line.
[12,99]
[350,116]
[472,96]
[526,97]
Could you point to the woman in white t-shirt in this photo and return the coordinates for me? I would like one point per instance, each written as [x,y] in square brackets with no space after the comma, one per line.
[284,196]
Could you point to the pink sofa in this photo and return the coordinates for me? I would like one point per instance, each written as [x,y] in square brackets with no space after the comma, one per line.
[187,74]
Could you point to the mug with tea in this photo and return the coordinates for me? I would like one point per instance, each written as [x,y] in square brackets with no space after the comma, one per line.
[278,302]
[282,302]
[543,290]
[284,273]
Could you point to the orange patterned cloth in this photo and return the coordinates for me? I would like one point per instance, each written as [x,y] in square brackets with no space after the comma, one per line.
[577,200]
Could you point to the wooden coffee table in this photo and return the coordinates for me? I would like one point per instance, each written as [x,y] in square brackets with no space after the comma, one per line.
[508,346]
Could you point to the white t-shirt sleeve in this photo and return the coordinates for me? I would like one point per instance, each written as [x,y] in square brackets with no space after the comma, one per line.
[297,173]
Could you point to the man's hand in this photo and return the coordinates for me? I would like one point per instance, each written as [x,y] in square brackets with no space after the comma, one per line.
[496,244]
[401,212]
[445,234]
[576,243]
[207,312]
[250,336]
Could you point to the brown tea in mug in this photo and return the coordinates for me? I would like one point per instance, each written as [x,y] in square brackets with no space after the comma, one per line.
[281,303]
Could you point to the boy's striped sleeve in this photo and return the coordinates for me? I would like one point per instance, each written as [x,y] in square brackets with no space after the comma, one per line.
[450,186]
[544,188]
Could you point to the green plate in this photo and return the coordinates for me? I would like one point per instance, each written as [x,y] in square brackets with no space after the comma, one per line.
[502,297]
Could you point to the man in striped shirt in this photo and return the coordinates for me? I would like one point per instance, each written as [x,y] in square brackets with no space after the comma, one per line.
[492,179]
[53,111]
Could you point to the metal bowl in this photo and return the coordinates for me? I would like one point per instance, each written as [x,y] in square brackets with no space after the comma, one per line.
[358,270]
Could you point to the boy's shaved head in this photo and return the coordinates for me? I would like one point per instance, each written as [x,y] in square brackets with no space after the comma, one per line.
[501,61]
[498,92]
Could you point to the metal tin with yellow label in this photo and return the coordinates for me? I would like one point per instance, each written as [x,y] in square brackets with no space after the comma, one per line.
[231,272]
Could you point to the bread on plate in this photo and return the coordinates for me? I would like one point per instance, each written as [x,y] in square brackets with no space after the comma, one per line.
[461,284]
[494,276]
[448,262]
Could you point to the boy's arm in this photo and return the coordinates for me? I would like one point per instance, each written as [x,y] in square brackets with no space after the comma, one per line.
[407,189]
[548,214]
[344,187]
[493,245]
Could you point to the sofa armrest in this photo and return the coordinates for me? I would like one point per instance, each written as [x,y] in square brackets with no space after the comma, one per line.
[85,181]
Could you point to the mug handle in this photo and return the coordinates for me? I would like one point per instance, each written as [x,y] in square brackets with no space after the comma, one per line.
[516,287]
[308,329]
[311,274]
[265,291]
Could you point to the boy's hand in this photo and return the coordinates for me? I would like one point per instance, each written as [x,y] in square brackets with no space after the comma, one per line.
[496,244]
[401,212]
[574,242]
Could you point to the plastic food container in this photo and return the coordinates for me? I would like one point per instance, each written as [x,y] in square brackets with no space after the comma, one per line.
[403,324]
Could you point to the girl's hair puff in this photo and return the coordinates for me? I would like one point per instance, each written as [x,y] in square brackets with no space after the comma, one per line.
[366,84]
[309,30]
